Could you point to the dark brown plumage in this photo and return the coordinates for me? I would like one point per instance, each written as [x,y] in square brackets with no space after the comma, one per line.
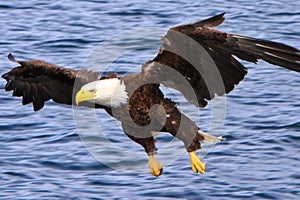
[202,57]
[38,81]
[222,47]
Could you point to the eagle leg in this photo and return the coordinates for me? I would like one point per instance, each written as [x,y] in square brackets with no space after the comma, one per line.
[154,166]
[148,143]
[197,165]
[181,127]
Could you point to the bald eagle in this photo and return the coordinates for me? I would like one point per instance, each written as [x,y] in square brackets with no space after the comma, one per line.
[195,59]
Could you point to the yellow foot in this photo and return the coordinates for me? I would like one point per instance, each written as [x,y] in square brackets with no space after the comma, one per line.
[197,165]
[154,166]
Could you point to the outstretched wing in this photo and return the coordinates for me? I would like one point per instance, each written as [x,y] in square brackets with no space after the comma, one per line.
[37,81]
[206,59]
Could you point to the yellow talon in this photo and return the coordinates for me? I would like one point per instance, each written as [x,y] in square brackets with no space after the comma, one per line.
[154,166]
[197,165]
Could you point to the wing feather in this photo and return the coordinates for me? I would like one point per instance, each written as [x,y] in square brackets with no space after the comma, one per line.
[180,51]
[37,81]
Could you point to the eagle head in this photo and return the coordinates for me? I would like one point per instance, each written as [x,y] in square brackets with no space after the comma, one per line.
[107,92]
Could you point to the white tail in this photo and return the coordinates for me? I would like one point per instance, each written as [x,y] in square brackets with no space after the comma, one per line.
[209,138]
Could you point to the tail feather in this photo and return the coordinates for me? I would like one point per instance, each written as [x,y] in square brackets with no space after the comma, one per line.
[209,138]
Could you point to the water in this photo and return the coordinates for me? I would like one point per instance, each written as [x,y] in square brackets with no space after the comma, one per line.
[42,156]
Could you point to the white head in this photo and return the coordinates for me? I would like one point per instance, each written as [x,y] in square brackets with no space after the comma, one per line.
[107,92]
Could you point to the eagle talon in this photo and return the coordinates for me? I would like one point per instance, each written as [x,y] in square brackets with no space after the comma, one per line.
[154,166]
[197,165]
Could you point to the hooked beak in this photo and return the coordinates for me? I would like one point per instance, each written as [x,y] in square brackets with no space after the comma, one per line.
[84,95]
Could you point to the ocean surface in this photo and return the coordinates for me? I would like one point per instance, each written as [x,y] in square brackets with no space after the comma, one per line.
[55,153]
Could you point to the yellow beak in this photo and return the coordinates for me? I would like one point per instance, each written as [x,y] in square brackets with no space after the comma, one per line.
[84,95]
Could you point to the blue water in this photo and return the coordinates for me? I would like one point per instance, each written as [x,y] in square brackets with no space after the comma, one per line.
[42,155]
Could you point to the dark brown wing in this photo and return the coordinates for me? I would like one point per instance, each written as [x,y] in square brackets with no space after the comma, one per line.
[37,81]
[205,58]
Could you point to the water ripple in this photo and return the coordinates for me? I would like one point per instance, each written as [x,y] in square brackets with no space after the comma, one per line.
[42,155]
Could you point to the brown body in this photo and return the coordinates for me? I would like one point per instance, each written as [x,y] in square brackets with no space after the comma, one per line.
[149,111]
